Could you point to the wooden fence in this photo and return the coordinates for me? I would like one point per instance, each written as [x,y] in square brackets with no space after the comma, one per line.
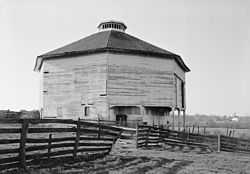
[128,123]
[35,141]
[148,136]
[232,144]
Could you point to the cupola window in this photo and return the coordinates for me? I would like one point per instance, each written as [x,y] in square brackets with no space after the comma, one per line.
[112,25]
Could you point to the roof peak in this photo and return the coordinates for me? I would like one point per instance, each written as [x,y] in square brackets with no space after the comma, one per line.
[112,25]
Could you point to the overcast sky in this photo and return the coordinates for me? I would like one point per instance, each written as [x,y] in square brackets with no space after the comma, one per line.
[212,36]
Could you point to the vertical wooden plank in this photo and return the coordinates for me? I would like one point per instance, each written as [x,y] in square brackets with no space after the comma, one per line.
[137,135]
[77,139]
[193,129]
[173,118]
[179,126]
[99,129]
[198,127]
[22,152]
[204,132]
[49,145]
[184,120]
[218,143]
[147,138]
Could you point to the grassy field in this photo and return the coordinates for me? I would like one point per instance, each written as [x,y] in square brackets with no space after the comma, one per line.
[241,133]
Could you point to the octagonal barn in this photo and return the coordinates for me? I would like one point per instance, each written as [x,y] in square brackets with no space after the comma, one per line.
[111,75]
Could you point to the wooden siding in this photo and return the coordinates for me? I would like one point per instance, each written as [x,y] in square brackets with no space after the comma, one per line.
[179,95]
[71,83]
[137,80]
[100,81]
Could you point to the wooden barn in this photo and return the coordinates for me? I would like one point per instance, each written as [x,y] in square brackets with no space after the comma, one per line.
[111,75]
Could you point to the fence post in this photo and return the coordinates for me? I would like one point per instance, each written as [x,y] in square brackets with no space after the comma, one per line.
[218,143]
[204,130]
[77,139]
[147,138]
[99,129]
[23,138]
[136,133]
[198,129]
[193,129]
[49,145]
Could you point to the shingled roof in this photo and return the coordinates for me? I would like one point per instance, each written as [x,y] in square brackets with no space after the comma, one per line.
[109,41]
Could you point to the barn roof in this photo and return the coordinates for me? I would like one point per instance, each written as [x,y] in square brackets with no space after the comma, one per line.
[109,41]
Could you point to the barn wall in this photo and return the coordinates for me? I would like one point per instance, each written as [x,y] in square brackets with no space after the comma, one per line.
[178,71]
[72,83]
[137,80]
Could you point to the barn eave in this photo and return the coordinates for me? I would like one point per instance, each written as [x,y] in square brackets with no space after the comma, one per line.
[177,58]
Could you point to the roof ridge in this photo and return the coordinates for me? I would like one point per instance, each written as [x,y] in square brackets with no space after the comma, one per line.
[107,45]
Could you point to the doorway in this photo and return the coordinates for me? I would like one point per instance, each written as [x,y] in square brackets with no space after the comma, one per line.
[121,119]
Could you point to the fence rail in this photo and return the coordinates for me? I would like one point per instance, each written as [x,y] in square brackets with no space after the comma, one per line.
[38,140]
[148,136]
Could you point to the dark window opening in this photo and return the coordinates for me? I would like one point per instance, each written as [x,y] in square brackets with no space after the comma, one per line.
[86,111]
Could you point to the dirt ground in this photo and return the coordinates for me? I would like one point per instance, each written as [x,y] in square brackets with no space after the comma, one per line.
[126,159]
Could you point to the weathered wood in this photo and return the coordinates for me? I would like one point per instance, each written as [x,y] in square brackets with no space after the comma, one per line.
[77,139]
[184,121]
[49,145]
[93,145]
[45,121]
[173,119]
[10,166]
[136,134]
[149,129]
[50,130]
[75,77]
[99,129]
[9,130]
[9,151]
[62,145]
[104,132]
[9,141]
[22,153]
[45,140]
[85,149]
[219,143]
[9,160]
[10,121]
[179,124]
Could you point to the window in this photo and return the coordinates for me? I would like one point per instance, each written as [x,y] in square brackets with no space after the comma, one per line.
[86,111]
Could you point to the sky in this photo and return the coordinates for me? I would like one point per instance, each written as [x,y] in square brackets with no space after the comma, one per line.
[212,36]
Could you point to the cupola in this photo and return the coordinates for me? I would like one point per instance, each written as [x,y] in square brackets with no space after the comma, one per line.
[112,25]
